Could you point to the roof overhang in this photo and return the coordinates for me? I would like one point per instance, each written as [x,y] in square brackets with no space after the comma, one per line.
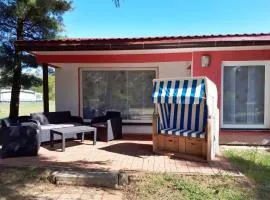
[136,50]
[101,44]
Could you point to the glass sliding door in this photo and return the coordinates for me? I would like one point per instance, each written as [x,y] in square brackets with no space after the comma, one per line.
[128,91]
[244,96]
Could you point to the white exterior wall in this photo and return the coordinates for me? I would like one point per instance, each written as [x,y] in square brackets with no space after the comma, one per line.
[67,83]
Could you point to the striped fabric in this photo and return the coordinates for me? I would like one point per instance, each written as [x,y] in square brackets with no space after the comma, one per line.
[182,119]
[181,106]
[184,132]
[179,92]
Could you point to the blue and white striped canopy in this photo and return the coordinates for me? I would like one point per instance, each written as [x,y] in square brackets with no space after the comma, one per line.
[190,91]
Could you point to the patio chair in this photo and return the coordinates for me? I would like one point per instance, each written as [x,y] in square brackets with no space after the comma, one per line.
[19,141]
[109,126]
[19,121]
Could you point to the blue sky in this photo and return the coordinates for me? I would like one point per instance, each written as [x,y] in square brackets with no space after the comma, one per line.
[100,18]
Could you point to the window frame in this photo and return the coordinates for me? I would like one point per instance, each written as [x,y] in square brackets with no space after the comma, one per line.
[266,65]
[155,69]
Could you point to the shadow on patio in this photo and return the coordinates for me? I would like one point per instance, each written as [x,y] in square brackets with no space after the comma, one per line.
[22,183]
[130,149]
[57,145]
[44,161]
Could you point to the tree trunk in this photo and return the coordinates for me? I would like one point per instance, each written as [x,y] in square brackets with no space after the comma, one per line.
[45,88]
[17,74]
[16,87]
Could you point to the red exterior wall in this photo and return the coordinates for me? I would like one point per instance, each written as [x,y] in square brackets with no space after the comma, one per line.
[214,73]
[115,58]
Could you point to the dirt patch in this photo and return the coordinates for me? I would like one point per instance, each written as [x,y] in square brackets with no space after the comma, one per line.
[32,183]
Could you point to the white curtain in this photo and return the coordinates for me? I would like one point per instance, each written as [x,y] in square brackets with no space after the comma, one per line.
[243,95]
[127,91]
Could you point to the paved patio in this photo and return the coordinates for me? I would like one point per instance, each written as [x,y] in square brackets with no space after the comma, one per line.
[130,153]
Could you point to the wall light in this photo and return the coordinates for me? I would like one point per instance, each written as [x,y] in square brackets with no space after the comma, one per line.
[205,60]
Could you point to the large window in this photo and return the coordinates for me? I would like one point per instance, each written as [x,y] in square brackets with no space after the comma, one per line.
[128,91]
[244,96]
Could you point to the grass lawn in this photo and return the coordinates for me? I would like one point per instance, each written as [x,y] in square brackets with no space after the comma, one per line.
[25,108]
[178,187]
[255,164]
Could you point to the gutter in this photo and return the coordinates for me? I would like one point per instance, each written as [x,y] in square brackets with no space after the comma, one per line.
[101,46]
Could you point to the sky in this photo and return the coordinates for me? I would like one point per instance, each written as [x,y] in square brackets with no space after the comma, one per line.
[142,18]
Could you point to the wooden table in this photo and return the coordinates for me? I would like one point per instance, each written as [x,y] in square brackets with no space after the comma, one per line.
[72,130]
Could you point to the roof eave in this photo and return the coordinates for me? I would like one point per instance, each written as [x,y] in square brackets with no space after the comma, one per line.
[69,46]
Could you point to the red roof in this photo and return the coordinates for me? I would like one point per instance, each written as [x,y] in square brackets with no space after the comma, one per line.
[142,42]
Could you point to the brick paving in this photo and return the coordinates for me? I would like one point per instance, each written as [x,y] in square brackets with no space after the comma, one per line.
[130,153]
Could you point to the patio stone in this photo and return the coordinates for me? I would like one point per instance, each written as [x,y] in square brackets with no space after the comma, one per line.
[79,178]
[123,178]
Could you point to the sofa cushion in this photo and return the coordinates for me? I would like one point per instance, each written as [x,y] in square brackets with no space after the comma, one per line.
[59,117]
[52,117]
[52,126]
[40,117]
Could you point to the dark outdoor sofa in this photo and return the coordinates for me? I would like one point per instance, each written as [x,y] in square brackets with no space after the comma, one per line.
[43,122]
[50,120]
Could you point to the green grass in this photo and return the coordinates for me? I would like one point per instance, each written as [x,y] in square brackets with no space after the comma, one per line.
[170,187]
[25,108]
[255,165]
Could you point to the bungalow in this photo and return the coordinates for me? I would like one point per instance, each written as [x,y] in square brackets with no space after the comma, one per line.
[98,74]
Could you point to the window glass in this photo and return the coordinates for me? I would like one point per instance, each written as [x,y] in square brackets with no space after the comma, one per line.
[125,91]
[243,95]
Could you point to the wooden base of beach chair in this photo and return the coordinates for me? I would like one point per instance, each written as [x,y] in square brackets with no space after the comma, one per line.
[183,147]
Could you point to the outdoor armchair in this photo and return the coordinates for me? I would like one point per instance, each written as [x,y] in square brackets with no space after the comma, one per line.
[109,126]
[19,121]
[19,141]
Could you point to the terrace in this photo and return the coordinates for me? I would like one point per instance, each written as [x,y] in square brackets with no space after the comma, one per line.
[132,153]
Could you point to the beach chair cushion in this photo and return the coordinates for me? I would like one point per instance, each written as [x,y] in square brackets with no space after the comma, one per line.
[183,132]
[183,116]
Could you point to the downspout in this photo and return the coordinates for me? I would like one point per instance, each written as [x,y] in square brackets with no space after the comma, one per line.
[192,61]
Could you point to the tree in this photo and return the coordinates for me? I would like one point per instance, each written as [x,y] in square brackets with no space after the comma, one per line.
[6,64]
[51,82]
[26,20]
[117,3]
[51,87]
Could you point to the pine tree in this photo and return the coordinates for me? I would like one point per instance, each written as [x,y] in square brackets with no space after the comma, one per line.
[25,20]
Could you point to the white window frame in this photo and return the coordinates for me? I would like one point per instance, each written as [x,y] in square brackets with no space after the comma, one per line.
[83,69]
[266,64]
